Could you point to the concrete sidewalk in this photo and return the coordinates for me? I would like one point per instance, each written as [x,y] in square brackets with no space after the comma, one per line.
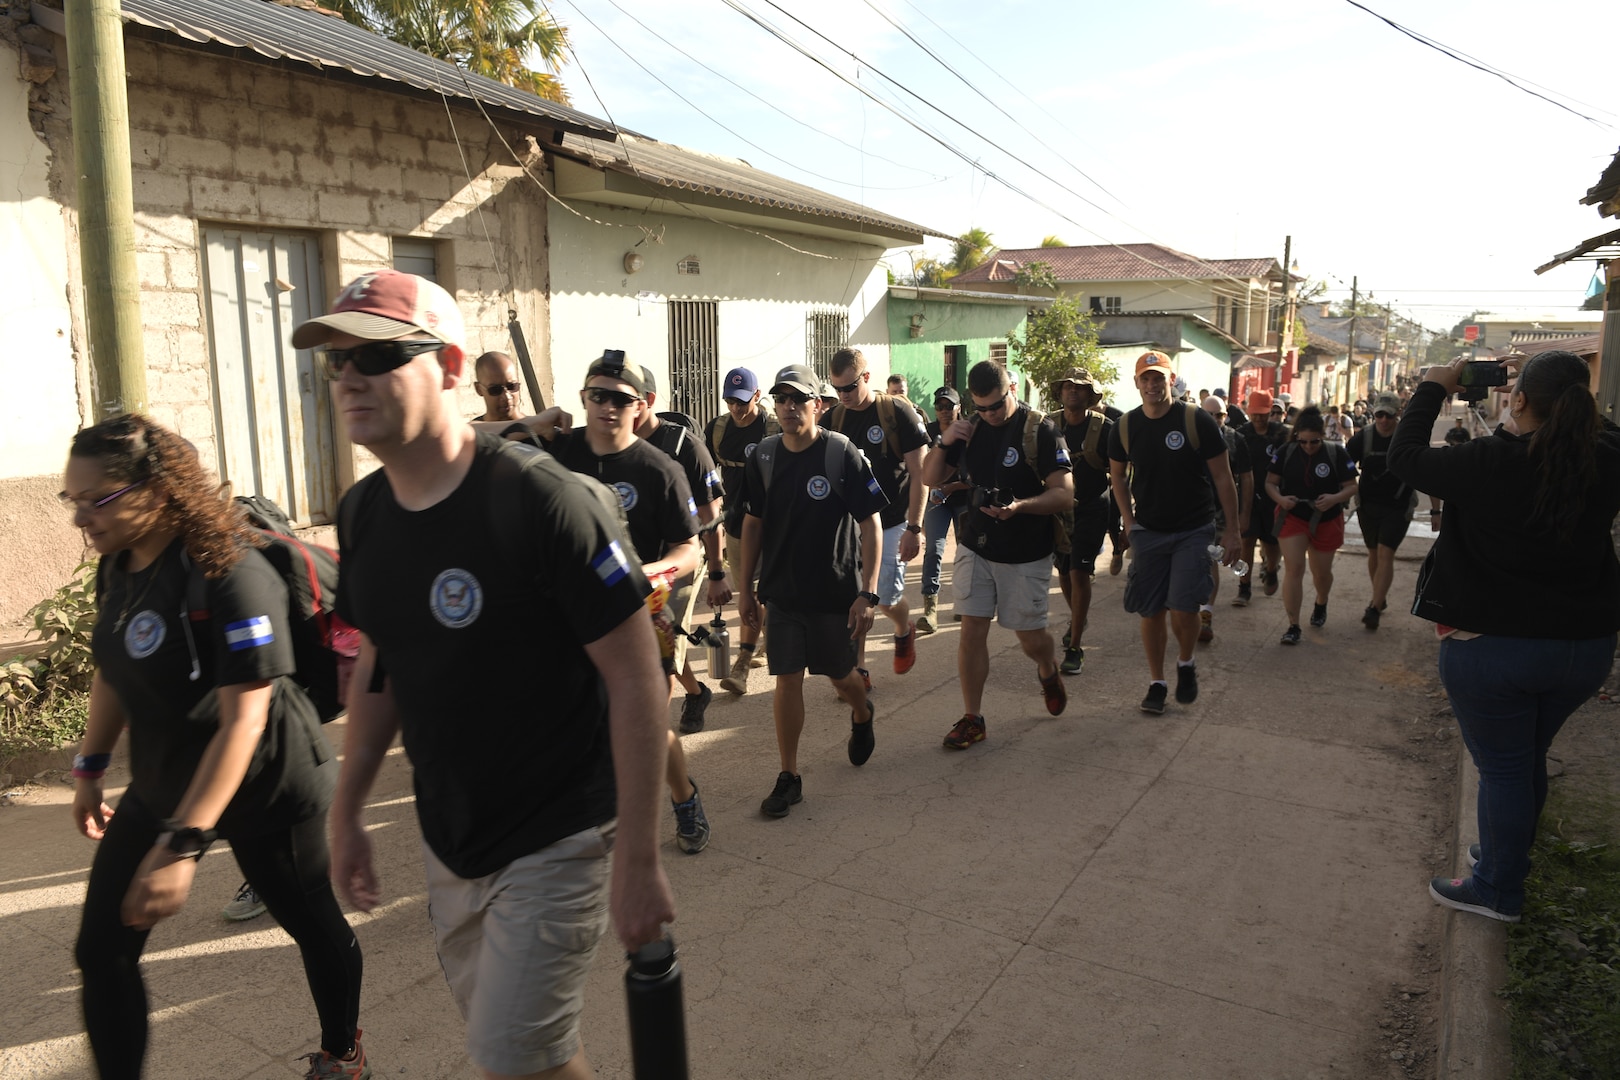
[1233,889]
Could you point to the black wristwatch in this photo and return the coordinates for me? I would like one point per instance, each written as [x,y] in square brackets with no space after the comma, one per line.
[717,575]
[910,528]
[186,841]
[869,597]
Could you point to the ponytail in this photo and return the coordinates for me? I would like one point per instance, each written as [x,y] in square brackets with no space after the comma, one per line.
[1556,386]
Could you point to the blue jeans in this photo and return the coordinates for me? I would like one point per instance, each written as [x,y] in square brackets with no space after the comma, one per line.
[1510,697]
[936,527]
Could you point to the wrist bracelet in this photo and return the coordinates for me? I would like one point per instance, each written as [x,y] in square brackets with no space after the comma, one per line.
[717,575]
[90,766]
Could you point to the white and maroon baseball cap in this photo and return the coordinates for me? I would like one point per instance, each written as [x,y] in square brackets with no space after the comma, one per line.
[385,305]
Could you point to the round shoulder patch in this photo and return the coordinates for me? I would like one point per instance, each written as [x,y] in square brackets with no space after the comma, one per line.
[1175,440]
[628,496]
[874,434]
[1010,458]
[748,451]
[144,634]
[818,487]
[457,599]
[1322,469]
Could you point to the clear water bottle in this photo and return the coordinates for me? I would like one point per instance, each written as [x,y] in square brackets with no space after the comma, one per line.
[1217,553]
[719,648]
[652,994]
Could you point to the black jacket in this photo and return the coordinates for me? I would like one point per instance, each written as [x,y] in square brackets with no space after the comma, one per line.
[1488,572]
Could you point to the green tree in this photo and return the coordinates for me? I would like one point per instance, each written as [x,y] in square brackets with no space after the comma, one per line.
[1036,275]
[1052,241]
[498,39]
[970,250]
[1056,339]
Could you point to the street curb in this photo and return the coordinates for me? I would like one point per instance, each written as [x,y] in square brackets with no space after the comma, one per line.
[1473,1041]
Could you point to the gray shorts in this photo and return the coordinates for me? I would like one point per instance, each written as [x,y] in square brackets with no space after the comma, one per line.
[1169,570]
[816,641]
[1017,594]
[516,947]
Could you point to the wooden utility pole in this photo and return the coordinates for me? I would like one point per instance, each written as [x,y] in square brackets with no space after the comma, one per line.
[112,296]
[1285,340]
[1355,303]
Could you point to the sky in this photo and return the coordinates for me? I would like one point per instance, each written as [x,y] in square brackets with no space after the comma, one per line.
[1215,127]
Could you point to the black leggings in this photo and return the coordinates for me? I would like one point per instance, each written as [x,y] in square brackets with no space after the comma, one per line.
[288,869]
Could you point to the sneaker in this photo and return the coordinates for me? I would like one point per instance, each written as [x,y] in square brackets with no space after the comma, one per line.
[737,681]
[1268,581]
[1473,856]
[1291,636]
[247,905]
[1116,562]
[862,738]
[1369,618]
[691,824]
[968,730]
[1057,698]
[1073,660]
[692,709]
[1068,637]
[930,611]
[789,789]
[1245,594]
[905,650]
[1458,894]
[1186,683]
[1318,614]
[323,1065]
[956,616]
[866,678]
[1154,702]
[1206,626]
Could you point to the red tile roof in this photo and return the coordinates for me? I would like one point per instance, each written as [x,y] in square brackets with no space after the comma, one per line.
[1110,262]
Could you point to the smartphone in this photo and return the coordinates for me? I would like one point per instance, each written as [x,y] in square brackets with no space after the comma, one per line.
[1483,373]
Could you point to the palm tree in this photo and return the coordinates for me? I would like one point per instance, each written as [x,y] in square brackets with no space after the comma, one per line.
[971,249]
[494,38]
[1052,241]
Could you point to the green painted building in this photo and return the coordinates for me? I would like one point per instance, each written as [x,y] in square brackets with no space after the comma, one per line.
[936,335]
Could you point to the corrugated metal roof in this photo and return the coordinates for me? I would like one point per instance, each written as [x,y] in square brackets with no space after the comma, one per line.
[666,165]
[1115,262]
[326,41]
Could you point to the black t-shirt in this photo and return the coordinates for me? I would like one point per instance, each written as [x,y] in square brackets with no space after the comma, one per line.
[956,499]
[653,494]
[994,458]
[1307,476]
[1090,482]
[865,430]
[810,547]
[686,449]
[1170,489]
[1237,456]
[1370,452]
[143,653]
[736,447]
[450,608]
[1262,451]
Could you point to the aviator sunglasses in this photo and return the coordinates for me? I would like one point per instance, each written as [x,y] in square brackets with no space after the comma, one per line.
[375,357]
[502,387]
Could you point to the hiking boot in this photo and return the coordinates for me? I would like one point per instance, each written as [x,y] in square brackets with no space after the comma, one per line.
[737,681]
[1245,594]
[692,709]
[1116,563]
[968,730]
[1268,581]
[1473,856]
[1318,614]
[247,905]
[862,738]
[1458,894]
[905,650]
[1073,660]
[1291,636]
[789,789]
[1186,683]
[930,612]
[1057,698]
[691,824]
[1206,626]
[1369,618]
[1154,702]
[756,658]
[323,1065]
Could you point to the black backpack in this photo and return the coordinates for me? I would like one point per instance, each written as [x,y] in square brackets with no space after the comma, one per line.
[324,646]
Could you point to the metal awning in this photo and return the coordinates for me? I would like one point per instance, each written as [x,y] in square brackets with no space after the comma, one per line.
[1599,248]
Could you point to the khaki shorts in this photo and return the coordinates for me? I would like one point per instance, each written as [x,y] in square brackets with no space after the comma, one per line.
[1017,594]
[681,606]
[516,947]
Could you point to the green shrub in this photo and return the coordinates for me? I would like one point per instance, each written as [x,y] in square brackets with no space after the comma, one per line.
[44,700]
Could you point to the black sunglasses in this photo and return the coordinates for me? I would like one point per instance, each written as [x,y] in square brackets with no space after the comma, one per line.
[375,357]
[1383,416]
[598,395]
[502,387]
[850,388]
[795,397]
[997,407]
[1309,442]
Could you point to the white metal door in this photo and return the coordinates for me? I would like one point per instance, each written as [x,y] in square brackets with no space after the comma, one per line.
[272,411]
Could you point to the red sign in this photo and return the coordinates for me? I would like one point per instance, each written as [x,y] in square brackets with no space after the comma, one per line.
[1471,333]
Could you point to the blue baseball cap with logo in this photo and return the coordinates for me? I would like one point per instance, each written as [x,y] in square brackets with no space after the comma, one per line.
[741,384]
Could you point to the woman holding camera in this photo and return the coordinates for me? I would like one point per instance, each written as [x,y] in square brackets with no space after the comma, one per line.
[1310,483]
[221,743]
[1524,589]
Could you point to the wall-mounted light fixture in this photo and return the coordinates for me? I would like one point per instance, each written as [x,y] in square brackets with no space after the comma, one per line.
[633,262]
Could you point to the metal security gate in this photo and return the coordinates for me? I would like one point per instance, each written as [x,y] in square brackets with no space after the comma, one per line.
[272,412]
[694,358]
[825,332]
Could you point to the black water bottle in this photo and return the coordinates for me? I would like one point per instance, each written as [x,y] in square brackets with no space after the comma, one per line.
[652,993]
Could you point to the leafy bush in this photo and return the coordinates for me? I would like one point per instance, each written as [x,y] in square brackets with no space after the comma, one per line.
[44,699]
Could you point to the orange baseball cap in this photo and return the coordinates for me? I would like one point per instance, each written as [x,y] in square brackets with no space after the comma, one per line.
[1155,360]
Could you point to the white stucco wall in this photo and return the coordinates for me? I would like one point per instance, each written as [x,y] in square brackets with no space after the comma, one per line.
[763,291]
[39,412]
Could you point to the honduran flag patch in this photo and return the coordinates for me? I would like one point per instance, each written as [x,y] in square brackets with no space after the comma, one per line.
[249,633]
[610,564]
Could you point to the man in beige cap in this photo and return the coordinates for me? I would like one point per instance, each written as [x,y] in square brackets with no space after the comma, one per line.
[1087,431]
